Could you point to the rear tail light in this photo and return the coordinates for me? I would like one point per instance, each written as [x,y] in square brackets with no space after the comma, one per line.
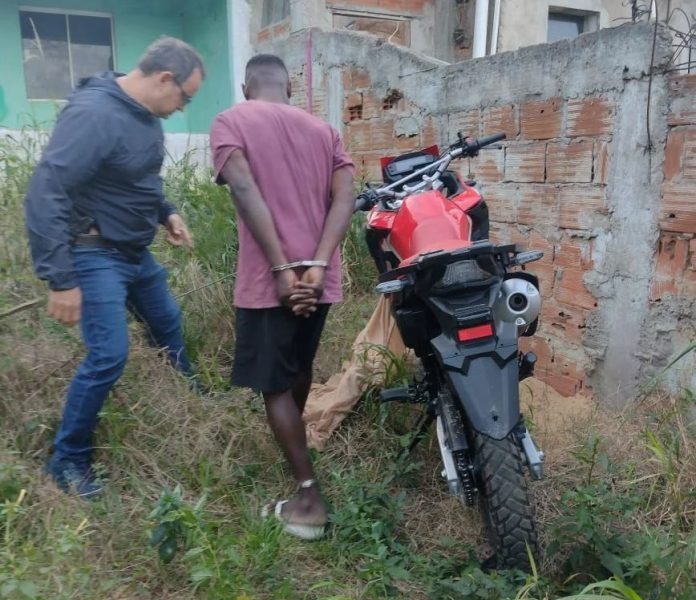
[478,332]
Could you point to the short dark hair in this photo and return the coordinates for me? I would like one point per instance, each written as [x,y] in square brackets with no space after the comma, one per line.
[174,55]
[265,60]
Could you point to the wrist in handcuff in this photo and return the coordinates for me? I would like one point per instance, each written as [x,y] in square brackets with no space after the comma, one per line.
[300,264]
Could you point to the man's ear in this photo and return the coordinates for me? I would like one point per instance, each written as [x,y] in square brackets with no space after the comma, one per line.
[244,91]
[164,76]
[289,90]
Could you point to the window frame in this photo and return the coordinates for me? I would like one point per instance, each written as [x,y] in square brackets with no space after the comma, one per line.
[591,19]
[374,15]
[264,4]
[67,13]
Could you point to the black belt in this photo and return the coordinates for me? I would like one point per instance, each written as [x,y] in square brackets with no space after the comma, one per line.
[130,253]
[92,239]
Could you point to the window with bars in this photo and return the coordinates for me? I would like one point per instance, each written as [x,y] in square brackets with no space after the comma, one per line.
[60,48]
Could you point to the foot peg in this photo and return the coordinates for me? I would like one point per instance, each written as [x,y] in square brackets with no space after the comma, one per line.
[400,394]
[526,365]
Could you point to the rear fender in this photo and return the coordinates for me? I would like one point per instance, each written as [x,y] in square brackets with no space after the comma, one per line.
[483,377]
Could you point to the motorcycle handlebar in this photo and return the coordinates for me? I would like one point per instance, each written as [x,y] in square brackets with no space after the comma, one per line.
[369,197]
[490,139]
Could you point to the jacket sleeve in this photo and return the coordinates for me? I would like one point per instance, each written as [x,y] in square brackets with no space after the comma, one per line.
[72,157]
[166,208]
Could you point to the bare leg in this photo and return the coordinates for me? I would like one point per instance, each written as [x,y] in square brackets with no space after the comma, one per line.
[285,420]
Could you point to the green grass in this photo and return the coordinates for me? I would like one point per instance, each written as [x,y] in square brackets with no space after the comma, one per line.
[188,475]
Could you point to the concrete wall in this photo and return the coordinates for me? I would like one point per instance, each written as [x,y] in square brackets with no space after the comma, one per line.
[431,22]
[525,23]
[579,177]
[135,25]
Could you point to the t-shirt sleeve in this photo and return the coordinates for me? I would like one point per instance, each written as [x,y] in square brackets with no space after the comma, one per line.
[225,138]
[341,158]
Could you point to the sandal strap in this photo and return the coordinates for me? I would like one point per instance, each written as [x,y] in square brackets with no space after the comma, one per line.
[308,483]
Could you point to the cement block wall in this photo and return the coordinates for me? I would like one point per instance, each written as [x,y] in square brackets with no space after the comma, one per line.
[582,176]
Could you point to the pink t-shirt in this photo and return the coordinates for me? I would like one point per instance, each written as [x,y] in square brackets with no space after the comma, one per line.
[292,156]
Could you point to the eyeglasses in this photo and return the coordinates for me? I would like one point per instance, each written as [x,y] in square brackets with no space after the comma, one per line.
[185,98]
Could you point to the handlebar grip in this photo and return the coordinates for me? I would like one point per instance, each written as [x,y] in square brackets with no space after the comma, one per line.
[490,139]
[362,202]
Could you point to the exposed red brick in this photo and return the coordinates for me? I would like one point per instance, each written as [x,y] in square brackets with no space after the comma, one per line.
[590,116]
[525,163]
[407,143]
[501,119]
[683,100]
[539,242]
[538,205]
[545,272]
[359,79]
[428,133]
[602,151]
[368,166]
[576,254]
[692,254]
[319,104]
[382,134]
[673,252]
[489,165]
[540,347]
[501,199]
[541,120]
[398,6]
[570,289]
[467,122]
[569,163]
[689,169]
[682,85]
[563,384]
[678,210]
[567,322]
[372,106]
[581,206]
[499,232]
[674,153]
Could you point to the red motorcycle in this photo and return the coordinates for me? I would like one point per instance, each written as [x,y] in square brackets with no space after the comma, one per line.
[461,303]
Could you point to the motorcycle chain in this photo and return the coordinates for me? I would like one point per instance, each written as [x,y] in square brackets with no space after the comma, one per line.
[465,469]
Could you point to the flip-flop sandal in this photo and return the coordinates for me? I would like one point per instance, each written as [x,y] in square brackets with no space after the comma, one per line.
[300,530]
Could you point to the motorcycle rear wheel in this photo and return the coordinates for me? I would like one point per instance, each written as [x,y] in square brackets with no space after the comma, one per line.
[504,501]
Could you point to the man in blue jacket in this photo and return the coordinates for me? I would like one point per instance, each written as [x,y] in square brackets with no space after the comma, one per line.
[93,207]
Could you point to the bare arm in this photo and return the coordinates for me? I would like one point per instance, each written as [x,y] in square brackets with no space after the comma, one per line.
[251,207]
[253,211]
[335,227]
[340,212]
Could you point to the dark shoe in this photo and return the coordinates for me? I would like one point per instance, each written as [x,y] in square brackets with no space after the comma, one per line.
[74,477]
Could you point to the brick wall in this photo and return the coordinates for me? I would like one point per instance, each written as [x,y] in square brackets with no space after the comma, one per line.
[675,271]
[573,178]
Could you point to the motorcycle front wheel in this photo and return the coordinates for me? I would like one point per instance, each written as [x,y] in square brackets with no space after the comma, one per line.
[504,501]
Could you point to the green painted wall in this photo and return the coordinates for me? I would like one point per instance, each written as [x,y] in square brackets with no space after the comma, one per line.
[205,28]
[136,23]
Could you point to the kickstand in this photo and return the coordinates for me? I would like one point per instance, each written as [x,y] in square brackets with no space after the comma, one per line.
[424,422]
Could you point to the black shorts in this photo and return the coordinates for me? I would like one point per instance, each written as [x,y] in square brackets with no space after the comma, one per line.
[273,347]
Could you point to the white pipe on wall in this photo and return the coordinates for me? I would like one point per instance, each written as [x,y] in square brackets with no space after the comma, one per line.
[496,27]
[480,28]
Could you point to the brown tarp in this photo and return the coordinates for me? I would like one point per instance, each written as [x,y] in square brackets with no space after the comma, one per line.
[329,403]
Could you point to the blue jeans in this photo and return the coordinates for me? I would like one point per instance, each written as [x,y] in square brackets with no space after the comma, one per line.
[110,287]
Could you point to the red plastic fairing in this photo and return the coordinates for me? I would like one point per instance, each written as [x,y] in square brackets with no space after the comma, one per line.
[427,222]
